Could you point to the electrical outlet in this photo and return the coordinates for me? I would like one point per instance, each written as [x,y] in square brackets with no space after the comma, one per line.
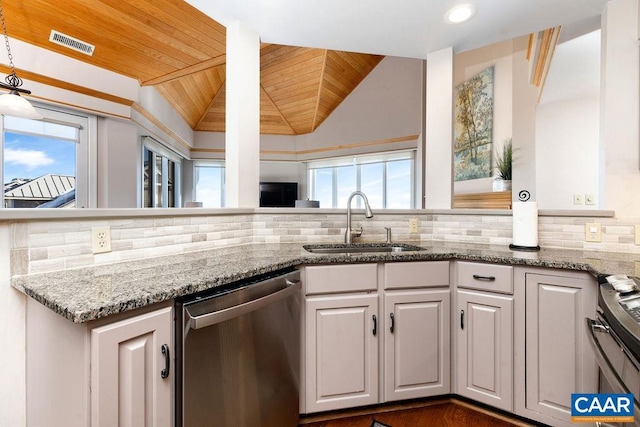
[592,232]
[578,199]
[413,225]
[637,230]
[101,239]
[589,199]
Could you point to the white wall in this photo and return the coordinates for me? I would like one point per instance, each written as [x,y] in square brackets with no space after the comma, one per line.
[568,126]
[274,171]
[208,145]
[12,337]
[242,116]
[567,152]
[67,69]
[278,147]
[467,65]
[168,125]
[118,165]
[438,130]
[557,141]
[386,104]
[620,109]
[525,96]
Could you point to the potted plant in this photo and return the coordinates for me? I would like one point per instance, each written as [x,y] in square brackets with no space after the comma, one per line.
[504,161]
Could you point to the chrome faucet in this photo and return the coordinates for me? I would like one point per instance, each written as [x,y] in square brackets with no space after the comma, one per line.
[350,233]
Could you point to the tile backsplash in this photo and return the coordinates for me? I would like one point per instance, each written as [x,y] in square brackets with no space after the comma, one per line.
[47,245]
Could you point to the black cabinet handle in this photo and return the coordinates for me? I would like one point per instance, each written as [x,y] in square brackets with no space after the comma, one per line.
[167,361]
[486,278]
[461,319]
[375,325]
[393,322]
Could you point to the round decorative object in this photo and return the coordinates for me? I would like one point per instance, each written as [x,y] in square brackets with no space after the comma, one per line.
[524,195]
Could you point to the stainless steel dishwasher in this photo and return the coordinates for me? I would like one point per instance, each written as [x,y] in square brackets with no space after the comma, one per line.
[238,354]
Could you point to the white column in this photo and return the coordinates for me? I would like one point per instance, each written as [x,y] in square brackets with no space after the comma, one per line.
[523,130]
[438,160]
[242,144]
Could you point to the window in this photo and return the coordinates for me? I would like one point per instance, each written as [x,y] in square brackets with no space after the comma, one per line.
[387,180]
[46,163]
[160,176]
[209,184]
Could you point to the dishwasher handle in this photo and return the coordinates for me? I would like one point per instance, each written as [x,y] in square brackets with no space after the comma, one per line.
[208,319]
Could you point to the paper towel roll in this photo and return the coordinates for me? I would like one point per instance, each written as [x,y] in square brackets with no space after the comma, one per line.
[525,224]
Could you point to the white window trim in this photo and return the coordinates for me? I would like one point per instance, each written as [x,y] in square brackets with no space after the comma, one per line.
[213,164]
[358,160]
[157,148]
[86,153]
[361,159]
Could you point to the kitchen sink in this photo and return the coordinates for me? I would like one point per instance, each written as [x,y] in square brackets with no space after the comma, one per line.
[357,248]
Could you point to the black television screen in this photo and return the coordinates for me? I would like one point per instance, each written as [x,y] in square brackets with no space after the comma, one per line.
[278,194]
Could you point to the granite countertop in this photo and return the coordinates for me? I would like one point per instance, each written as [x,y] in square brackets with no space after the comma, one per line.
[90,293]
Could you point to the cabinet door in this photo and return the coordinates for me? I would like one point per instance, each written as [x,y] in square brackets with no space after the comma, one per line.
[126,364]
[484,326]
[558,360]
[416,344]
[341,351]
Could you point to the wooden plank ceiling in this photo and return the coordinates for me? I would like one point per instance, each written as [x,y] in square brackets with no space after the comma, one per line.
[179,50]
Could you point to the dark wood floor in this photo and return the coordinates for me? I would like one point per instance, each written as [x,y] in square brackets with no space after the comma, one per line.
[444,412]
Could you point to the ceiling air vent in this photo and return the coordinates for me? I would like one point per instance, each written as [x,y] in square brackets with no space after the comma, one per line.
[72,43]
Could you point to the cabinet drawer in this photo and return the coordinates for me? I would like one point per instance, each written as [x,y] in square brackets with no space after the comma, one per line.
[419,274]
[485,277]
[323,279]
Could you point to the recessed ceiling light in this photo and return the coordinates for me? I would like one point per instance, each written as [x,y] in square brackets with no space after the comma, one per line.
[459,14]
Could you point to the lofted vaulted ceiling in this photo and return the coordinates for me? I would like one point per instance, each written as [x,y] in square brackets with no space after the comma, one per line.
[299,88]
[181,51]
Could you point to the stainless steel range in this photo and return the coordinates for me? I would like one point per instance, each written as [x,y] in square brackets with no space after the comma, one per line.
[615,336]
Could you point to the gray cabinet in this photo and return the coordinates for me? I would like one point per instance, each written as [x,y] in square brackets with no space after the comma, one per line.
[368,341]
[554,359]
[127,364]
[484,334]
[484,366]
[340,345]
[102,373]
[342,352]
[519,346]
[416,344]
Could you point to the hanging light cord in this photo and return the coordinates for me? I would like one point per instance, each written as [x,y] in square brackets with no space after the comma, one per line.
[13,81]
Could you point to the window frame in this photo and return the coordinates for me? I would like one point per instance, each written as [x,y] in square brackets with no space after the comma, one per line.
[212,164]
[160,151]
[357,161]
[86,150]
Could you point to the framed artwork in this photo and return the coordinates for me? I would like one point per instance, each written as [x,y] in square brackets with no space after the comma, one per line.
[473,127]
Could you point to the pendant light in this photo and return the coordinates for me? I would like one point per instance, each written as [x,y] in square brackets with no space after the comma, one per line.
[12,104]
